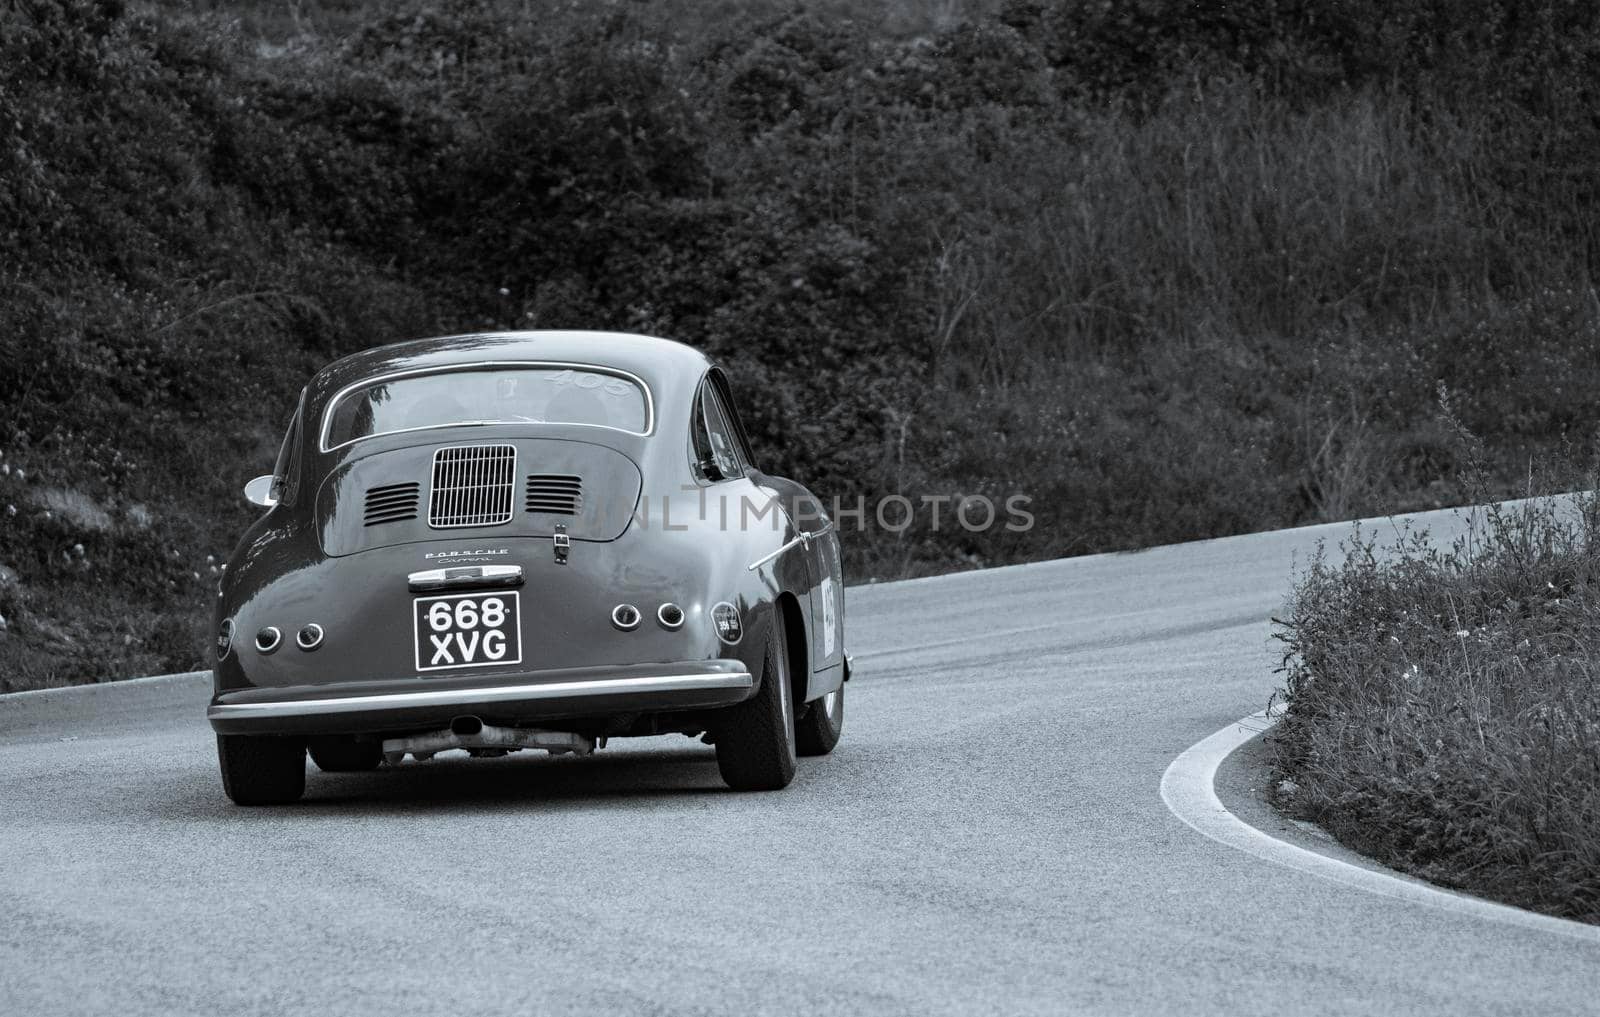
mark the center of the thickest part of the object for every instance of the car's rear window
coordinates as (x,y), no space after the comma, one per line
(535,394)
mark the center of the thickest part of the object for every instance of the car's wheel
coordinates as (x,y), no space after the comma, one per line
(755,741)
(262,769)
(344,754)
(820,724)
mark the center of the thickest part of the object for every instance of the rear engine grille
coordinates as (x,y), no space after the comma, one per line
(391,503)
(560,493)
(473,485)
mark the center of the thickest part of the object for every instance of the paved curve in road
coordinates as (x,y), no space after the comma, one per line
(989,837)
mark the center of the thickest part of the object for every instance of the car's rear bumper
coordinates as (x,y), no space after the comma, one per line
(416,703)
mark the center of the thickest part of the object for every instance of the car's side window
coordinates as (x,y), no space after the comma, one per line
(286,472)
(712,438)
(699,438)
(736,431)
(724,442)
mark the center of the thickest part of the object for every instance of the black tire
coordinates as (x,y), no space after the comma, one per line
(755,740)
(820,725)
(262,769)
(344,754)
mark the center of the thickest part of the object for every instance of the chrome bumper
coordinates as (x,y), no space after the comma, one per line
(321,708)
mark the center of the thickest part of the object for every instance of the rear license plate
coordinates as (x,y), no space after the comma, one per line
(467,630)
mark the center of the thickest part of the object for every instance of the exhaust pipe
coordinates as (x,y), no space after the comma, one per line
(472,733)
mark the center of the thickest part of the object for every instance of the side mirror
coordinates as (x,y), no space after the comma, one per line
(262,491)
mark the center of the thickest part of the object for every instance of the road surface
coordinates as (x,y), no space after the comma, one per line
(989,837)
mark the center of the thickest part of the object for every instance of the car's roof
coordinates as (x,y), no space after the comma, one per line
(657,361)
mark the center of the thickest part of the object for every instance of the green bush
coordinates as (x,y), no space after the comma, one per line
(1444,709)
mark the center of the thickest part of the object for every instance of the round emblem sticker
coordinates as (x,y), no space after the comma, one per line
(726,618)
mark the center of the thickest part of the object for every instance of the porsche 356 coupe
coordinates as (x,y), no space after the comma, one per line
(531,540)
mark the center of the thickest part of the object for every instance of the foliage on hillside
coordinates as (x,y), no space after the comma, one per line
(1170,269)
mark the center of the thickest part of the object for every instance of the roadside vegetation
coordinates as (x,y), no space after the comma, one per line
(1443,704)
(1170,270)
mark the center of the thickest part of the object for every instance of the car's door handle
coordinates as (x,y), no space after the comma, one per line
(799,538)
(466,577)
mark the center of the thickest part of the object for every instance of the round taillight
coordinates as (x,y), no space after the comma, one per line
(309,637)
(268,639)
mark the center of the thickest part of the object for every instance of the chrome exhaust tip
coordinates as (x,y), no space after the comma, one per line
(670,616)
(625,617)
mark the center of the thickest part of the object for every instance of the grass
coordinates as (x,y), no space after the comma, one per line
(1444,704)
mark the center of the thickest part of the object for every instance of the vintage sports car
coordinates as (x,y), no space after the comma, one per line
(533,540)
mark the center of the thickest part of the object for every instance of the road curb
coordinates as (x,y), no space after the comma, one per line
(1188,788)
(76,705)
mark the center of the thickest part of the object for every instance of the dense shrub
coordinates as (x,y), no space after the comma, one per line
(1170,269)
(1444,708)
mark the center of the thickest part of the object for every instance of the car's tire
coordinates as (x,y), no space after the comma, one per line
(344,754)
(820,725)
(755,740)
(262,769)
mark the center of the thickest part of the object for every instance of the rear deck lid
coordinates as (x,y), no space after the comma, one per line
(502,488)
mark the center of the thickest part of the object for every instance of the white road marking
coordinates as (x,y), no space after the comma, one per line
(1188,789)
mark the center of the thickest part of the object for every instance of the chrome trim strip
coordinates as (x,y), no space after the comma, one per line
(509,693)
(333,401)
(799,538)
(464,576)
(791,543)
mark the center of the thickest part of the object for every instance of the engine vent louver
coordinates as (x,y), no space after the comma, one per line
(473,485)
(561,493)
(391,503)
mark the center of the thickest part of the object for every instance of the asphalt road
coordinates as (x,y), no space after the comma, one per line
(988,838)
